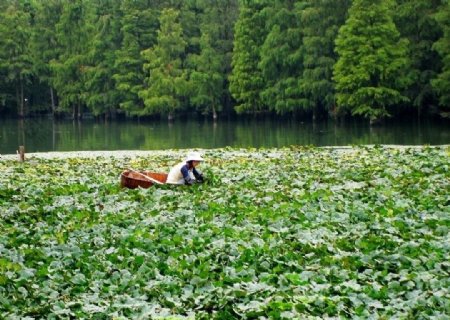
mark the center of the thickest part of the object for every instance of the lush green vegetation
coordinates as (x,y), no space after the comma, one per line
(310,58)
(289,233)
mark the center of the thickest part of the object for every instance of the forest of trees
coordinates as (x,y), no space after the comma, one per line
(162,58)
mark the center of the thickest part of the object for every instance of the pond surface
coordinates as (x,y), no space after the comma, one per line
(42,135)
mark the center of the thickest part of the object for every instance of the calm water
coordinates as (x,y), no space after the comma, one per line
(40,135)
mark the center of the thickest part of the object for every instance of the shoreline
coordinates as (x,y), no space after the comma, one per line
(89,154)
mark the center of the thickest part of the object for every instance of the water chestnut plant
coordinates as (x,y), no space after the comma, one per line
(302,233)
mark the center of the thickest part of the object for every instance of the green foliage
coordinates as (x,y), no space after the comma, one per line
(247,56)
(138,32)
(166,78)
(207,78)
(16,64)
(370,72)
(101,94)
(212,63)
(281,58)
(246,79)
(44,44)
(320,22)
(442,83)
(416,22)
(72,34)
(293,233)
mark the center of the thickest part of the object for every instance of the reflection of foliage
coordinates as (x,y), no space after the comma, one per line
(46,135)
(276,232)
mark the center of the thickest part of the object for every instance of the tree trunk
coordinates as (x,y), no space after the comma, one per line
(22,99)
(18,102)
(334,113)
(170,116)
(227,104)
(52,97)
(21,132)
(214,113)
(113,113)
(53,136)
(19,98)
(375,121)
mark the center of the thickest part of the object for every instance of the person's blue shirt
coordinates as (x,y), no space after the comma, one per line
(187,178)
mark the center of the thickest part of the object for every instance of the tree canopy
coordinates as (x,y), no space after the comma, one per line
(371,59)
(372,67)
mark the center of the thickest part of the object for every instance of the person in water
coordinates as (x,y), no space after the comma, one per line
(185,172)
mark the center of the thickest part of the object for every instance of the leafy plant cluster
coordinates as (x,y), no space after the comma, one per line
(300,233)
(145,58)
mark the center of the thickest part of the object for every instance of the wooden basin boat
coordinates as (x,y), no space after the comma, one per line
(144,179)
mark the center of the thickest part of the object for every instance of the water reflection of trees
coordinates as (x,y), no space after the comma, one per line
(145,136)
(27,132)
(48,135)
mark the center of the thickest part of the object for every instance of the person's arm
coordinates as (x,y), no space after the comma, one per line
(198,176)
(187,178)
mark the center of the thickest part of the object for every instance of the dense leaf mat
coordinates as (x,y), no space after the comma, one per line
(274,234)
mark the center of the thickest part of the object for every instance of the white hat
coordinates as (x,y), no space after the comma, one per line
(194,156)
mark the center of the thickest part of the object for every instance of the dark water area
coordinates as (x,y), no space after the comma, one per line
(42,135)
